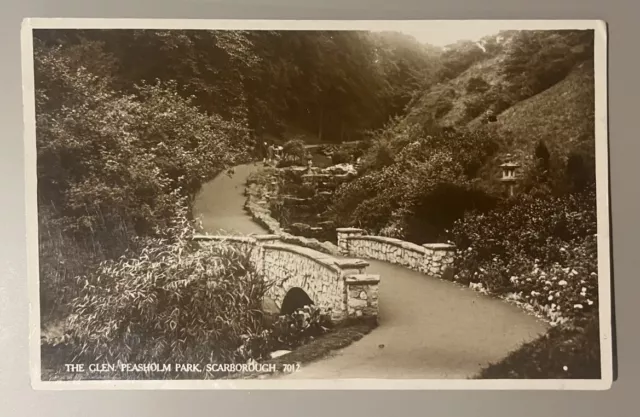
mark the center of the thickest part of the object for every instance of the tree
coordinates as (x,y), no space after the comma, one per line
(294,150)
(536,60)
(542,157)
(577,174)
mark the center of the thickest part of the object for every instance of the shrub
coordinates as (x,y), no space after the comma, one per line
(294,150)
(173,303)
(475,107)
(340,157)
(477,85)
(562,353)
(538,251)
(298,328)
(442,106)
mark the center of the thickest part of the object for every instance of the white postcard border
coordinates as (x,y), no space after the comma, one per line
(602,183)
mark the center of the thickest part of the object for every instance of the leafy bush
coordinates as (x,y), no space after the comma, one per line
(477,85)
(539,251)
(340,157)
(294,150)
(173,303)
(443,106)
(474,108)
(298,328)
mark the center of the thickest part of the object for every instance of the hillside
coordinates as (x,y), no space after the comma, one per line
(539,86)
(561,116)
(446,103)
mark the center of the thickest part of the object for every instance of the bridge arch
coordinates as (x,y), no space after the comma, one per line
(298,274)
(295,299)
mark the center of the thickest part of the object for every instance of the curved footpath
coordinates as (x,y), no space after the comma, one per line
(428,328)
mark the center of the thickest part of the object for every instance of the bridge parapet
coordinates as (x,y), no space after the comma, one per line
(327,280)
(362,295)
(435,259)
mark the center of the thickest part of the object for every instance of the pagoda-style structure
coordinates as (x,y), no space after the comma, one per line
(509,175)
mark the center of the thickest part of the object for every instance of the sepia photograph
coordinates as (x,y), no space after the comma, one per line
(317,204)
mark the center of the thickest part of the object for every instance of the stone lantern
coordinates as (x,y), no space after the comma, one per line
(509,176)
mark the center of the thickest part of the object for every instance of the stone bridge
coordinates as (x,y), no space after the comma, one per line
(300,276)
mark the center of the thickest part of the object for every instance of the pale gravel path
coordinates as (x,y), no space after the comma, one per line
(428,328)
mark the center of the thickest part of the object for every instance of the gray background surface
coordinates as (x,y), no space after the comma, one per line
(18,399)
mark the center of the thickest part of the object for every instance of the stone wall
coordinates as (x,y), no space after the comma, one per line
(330,282)
(434,259)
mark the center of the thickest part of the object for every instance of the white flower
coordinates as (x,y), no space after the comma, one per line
(574,272)
(563,250)
(550,298)
(584,289)
(565,368)
(562,283)
(578,306)
(513,279)
(590,302)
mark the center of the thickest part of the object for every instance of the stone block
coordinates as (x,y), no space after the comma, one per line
(439,246)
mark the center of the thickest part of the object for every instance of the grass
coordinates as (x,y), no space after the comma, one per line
(319,348)
(562,115)
(562,353)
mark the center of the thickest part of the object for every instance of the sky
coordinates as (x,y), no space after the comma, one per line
(442,32)
(438,37)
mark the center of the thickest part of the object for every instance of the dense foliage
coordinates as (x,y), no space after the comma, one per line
(541,250)
(415,183)
(334,84)
(114,166)
(170,304)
